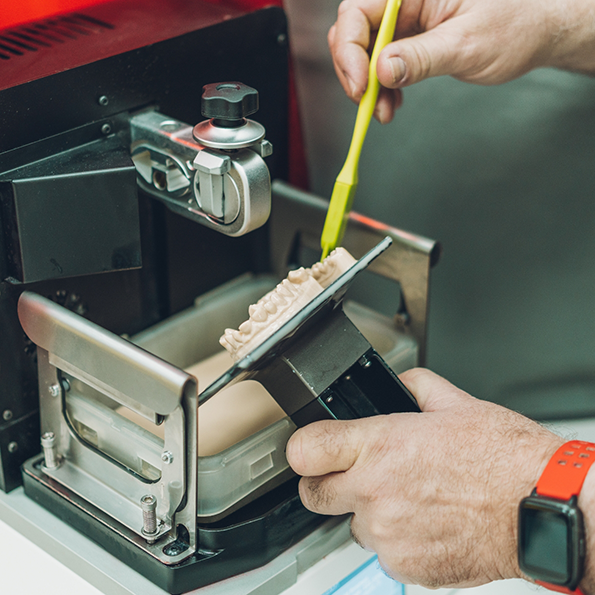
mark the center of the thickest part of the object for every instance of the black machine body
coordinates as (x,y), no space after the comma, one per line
(108,253)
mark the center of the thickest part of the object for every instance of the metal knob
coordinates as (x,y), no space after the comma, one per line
(228,103)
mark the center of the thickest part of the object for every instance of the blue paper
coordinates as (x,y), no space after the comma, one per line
(368,579)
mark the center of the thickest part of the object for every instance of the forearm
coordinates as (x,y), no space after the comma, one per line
(574,41)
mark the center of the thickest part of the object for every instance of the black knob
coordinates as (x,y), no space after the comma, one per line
(228,103)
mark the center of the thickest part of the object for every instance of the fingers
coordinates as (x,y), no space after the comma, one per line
(331,494)
(324,447)
(331,446)
(446,48)
(436,52)
(333,454)
(432,392)
(351,60)
(349,41)
(388,101)
(351,64)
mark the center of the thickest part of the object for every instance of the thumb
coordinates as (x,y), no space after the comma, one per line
(432,392)
(324,447)
(413,59)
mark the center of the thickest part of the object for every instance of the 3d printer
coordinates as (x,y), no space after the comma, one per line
(130,239)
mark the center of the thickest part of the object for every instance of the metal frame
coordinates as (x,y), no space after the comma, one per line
(138,380)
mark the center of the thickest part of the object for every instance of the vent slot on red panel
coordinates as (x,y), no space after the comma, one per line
(41,35)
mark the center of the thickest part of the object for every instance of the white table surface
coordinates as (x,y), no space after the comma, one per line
(26,569)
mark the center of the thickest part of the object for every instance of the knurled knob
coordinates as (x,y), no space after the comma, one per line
(228,103)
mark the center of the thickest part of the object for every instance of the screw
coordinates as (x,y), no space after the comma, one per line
(65,384)
(48,443)
(54,390)
(13,447)
(175,548)
(364,361)
(103,100)
(167,457)
(106,129)
(281,38)
(7,415)
(148,504)
(329,399)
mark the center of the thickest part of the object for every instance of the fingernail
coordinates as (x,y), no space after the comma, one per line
(378,115)
(352,87)
(398,69)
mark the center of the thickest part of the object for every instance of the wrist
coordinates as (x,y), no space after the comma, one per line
(573,36)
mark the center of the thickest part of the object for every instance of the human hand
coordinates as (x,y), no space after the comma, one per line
(434,494)
(477,41)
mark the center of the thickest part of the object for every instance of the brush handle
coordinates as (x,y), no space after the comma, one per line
(346,183)
(348,175)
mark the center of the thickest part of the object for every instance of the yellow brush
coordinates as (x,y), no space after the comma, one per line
(346,183)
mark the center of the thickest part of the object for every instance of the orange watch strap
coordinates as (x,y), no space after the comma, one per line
(563,478)
(559,589)
(565,473)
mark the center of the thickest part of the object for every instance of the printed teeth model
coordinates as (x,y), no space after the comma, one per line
(274,309)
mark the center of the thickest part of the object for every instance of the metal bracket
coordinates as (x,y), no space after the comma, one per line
(84,373)
(226,191)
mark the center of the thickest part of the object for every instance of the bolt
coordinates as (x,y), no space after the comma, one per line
(106,129)
(175,548)
(7,415)
(48,443)
(13,447)
(148,504)
(54,390)
(103,100)
(167,457)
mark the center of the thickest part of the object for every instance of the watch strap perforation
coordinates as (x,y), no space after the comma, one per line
(566,471)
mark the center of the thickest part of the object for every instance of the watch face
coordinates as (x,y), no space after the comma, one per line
(551,540)
(545,545)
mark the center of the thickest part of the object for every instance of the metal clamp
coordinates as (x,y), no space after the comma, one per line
(229,191)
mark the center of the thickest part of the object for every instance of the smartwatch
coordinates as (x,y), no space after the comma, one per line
(551,544)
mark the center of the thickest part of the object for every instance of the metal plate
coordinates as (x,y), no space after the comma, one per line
(329,299)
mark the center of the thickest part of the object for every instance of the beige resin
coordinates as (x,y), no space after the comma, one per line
(233,414)
(332,267)
(241,410)
(273,310)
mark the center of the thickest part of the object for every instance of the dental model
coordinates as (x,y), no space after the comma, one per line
(273,310)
